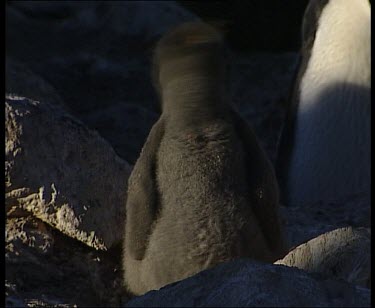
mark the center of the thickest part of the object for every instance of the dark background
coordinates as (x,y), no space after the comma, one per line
(255,25)
(251,25)
(97,57)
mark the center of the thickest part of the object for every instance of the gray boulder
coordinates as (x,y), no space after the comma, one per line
(63,173)
(344,253)
(246,283)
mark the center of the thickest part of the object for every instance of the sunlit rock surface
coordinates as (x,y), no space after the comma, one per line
(63,173)
(343,253)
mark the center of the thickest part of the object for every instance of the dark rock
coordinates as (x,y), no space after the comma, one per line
(259,85)
(104,47)
(305,222)
(246,283)
(124,126)
(21,81)
(97,55)
(73,274)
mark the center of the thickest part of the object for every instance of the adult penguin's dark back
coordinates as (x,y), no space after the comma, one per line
(324,150)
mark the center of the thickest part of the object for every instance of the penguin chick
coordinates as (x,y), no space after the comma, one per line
(202,191)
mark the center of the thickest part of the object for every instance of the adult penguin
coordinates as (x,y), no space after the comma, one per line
(325,147)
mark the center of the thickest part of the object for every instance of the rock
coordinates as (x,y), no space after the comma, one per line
(307,221)
(98,59)
(27,231)
(100,65)
(343,254)
(70,274)
(246,283)
(100,50)
(142,19)
(63,173)
(21,81)
(12,298)
(260,84)
(124,126)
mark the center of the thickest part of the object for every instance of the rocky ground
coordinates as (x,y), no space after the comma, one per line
(79,106)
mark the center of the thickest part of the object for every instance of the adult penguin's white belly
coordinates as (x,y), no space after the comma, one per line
(325,150)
